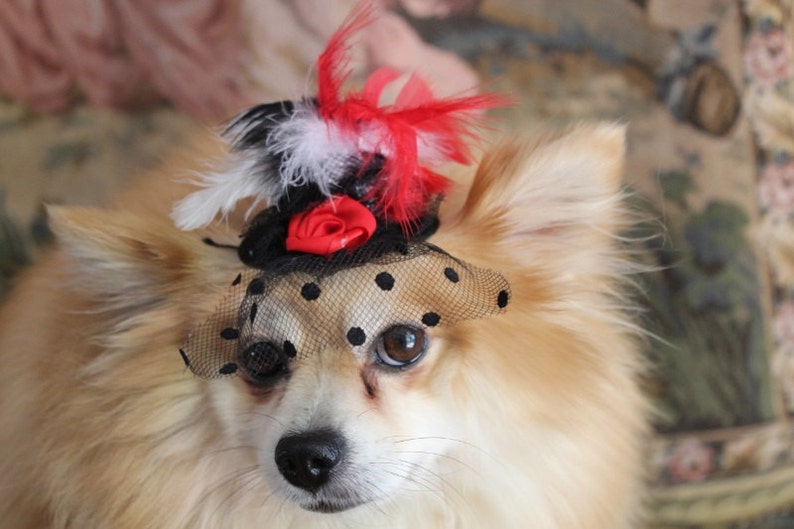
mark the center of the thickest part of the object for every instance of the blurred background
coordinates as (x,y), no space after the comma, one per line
(93,93)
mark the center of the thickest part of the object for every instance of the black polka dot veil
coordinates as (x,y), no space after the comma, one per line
(299,312)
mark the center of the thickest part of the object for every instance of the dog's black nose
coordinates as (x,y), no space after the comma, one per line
(307,459)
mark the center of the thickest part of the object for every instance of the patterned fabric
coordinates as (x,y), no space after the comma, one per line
(708,90)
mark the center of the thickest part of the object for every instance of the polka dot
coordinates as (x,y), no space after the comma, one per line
(310,291)
(385,281)
(356,336)
(431,319)
(228,369)
(185,359)
(230,334)
(451,274)
(256,287)
(289,349)
(252,314)
(502,298)
(237,280)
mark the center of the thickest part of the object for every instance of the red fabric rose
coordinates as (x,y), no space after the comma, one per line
(340,222)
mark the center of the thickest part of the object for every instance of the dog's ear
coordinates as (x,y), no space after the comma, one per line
(555,199)
(119,255)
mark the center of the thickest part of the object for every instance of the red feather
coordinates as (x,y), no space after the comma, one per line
(414,124)
(333,64)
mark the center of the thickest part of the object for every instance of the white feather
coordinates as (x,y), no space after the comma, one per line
(221,190)
(313,149)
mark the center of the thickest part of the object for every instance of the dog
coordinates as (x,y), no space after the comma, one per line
(530,418)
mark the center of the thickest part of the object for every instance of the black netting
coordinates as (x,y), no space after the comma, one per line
(298,308)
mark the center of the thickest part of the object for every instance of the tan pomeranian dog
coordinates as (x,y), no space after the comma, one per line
(530,418)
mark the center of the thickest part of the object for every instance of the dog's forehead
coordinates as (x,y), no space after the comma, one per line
(306,313)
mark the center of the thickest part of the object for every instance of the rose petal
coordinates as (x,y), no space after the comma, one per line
(316,245)
(341,222)
(356,237)
(321,225)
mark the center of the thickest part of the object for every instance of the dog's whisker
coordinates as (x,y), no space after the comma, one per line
(379,492)
(428,476)
(442,456)
(407,471)
(406,476)
(230,487)
(431,475)
(427,481)
(368,410)
(468,444)
(227,449)
(268,416)
(457,499)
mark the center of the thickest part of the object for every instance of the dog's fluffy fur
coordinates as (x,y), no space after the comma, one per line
(532,418)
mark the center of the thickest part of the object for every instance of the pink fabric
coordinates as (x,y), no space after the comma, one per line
(435,8)
(285,37)
(211,58)
(122,53)
(31,65)
(392,42)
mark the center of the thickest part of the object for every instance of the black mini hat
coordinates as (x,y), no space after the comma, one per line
(351,194)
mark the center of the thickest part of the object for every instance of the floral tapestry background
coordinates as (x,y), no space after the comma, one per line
(92,97)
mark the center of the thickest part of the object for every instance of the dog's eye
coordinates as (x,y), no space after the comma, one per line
(400,346)
(262,362)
